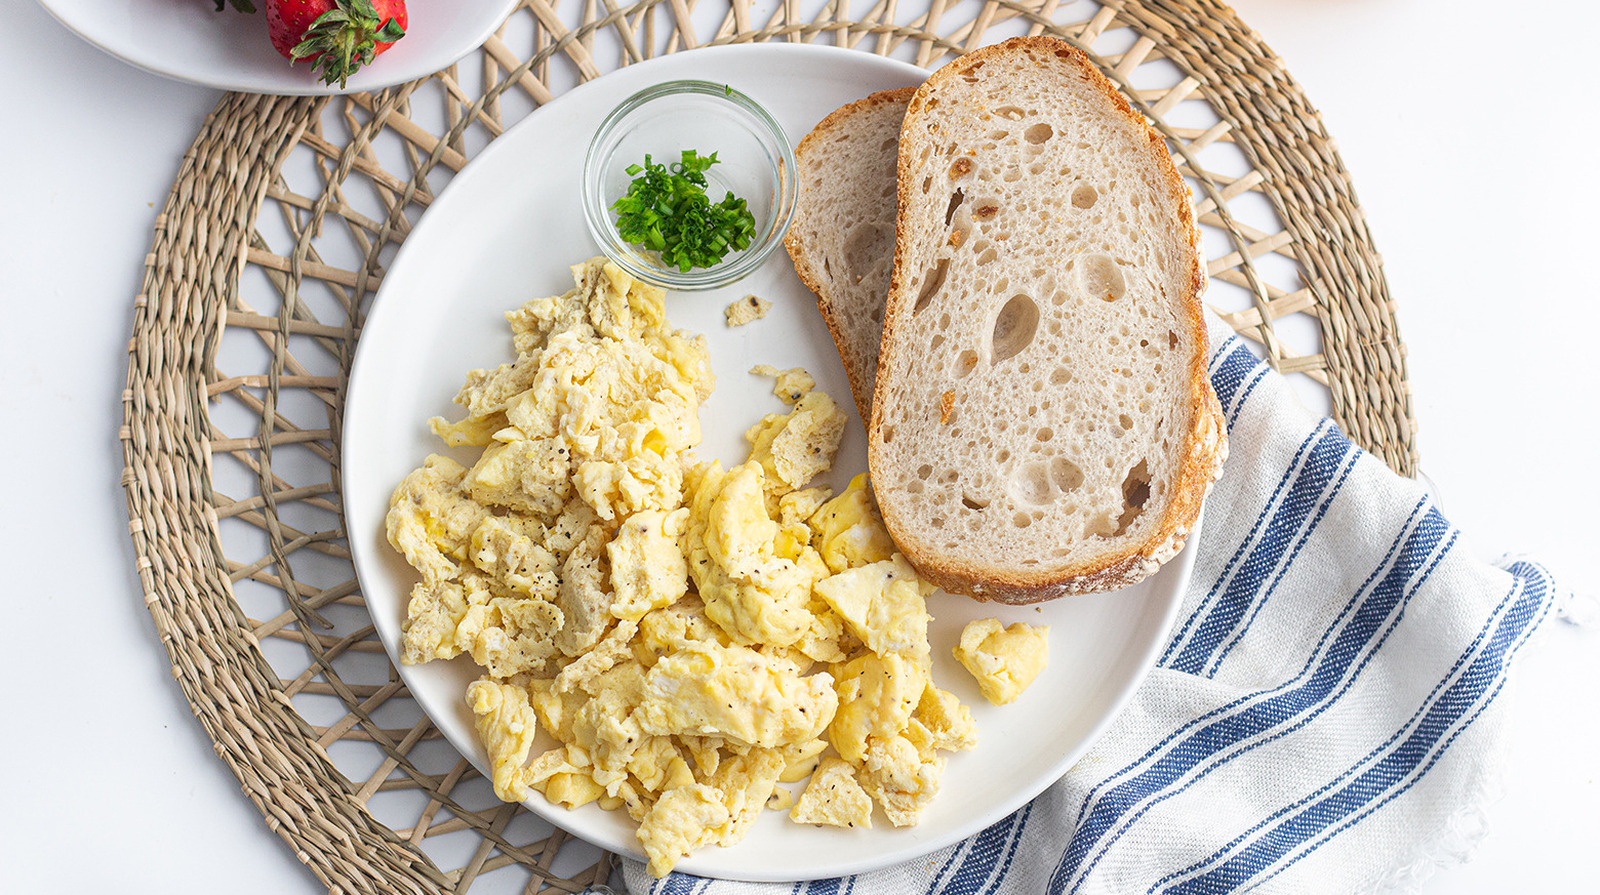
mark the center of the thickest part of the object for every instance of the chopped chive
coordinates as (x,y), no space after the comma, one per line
(667,210)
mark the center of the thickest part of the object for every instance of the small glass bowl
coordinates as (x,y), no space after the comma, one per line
(754,161)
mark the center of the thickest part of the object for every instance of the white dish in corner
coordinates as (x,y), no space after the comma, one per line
(506,230)
(189,40)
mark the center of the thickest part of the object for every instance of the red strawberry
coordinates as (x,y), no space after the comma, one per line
(336,36)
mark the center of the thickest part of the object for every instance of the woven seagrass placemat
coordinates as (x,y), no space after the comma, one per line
(278,231)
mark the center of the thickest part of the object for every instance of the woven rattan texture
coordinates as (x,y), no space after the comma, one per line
(277,234)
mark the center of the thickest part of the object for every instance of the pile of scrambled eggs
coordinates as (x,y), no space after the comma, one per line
(690,636)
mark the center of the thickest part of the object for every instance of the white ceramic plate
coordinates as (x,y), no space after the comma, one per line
(506,230)
(188,40)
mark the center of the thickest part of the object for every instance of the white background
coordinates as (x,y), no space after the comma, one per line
(1469,130)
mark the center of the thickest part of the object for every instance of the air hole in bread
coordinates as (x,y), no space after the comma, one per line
(888,434)
(937,522)
(1010,113)
(965,362)
(1084,195)
(924,471)
(1100,277)
(1014,328)
(973,503)
(987,256)
(938,340)
(927,184)
(1060,376)
(1036,169)
(1012,175)
(960,168)
(1030,484)
(1038,133)
(1065,474)
(1172,340)
(866,245)
(1022,520)
(931,282)
(955,202)
(1126,421)
(913,487)
(1002,456)
(1045,433)
(1135,492)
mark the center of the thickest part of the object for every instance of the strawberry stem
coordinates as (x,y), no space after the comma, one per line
(345,38)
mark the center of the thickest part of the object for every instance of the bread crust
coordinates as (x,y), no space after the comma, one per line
(806,267)
(1206,446)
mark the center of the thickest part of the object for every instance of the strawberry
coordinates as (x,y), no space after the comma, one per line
(336,36)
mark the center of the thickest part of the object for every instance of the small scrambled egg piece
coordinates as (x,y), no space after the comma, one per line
(834,797)
(736,558)
(789,385)
(735,693)
(746,310)
(1005,660)
(849,531)
(797,446)
(882,602)
(681,821)
(659,635)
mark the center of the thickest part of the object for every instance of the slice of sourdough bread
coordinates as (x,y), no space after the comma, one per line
(1042,422)
(842,236)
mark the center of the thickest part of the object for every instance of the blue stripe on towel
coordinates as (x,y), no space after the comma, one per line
(1231,365)
(1178,642)
(1340,656)
(1388,559)
(1346,464)
(1318,470)
(1370,785)
(984,855)
(1011,853)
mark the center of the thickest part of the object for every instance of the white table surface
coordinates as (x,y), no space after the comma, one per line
(1470,132)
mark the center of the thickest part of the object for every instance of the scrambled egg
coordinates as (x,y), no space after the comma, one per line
(1005,660)
(746,310)
(690,638)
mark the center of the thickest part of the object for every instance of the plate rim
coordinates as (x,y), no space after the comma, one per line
(703,862)
(371,78)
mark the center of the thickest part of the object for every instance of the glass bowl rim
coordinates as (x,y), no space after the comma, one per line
(597,212)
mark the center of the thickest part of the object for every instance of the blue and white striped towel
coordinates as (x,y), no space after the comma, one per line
(1324,713)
